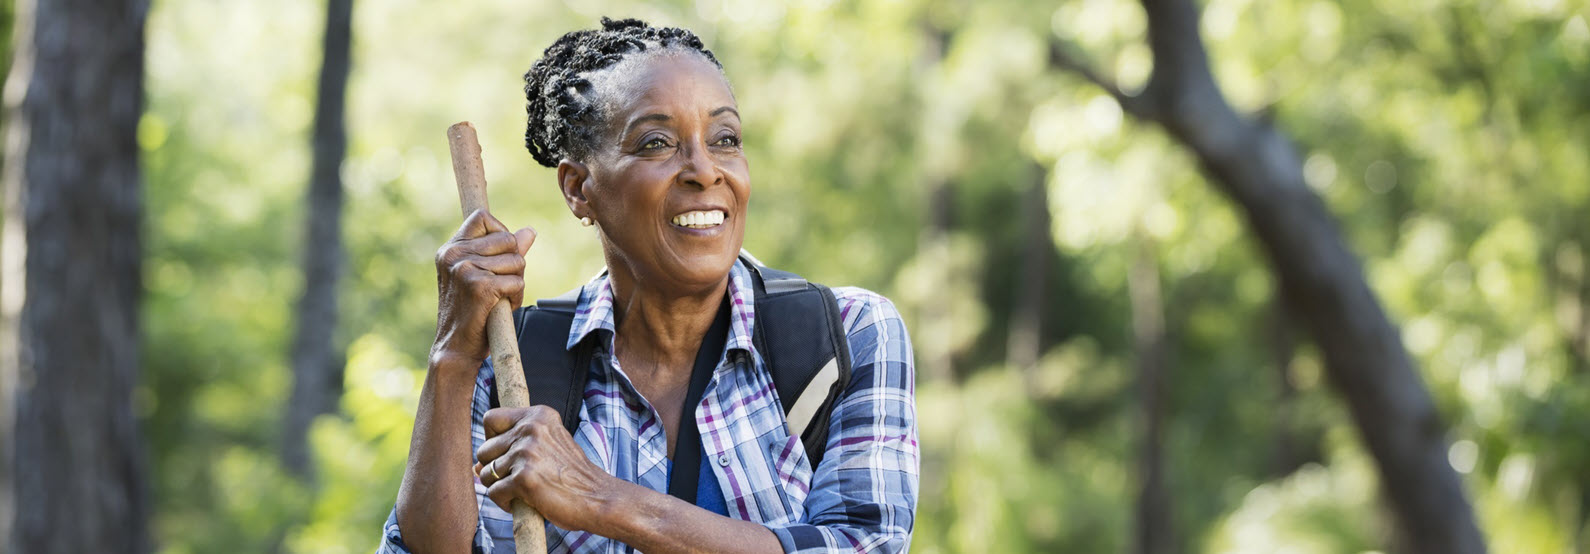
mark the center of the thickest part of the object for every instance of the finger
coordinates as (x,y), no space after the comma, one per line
(500,264)
(524,238)
(509,288)
(499,420)
(513,485)
(487,284)
(478,223)
(458,251)
(497,469)
(505,491)
(494,448)
(483,286)
(492,244)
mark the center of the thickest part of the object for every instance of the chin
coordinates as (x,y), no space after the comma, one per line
(706,269)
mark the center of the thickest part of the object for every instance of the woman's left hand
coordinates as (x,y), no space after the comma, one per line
(540,465)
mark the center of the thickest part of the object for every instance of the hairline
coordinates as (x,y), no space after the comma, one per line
(604,98)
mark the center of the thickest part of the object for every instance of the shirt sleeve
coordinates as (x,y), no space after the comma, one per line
(491,526)
(863,495)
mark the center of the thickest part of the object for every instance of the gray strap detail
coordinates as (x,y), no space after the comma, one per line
(806,406)
(783,285)
(749,259)
(773,280)
(566,301)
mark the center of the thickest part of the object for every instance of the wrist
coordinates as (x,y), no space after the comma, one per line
(452,366)
(621,510)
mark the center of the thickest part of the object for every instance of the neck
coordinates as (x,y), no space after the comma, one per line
(662,327)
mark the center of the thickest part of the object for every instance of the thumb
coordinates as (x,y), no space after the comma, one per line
(523,239)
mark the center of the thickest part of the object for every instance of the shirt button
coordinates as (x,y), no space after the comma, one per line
(723,460)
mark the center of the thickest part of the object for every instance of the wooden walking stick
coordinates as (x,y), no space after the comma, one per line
(529,532)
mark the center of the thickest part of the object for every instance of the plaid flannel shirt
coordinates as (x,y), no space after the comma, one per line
(863,496)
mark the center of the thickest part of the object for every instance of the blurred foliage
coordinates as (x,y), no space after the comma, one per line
(1449,139)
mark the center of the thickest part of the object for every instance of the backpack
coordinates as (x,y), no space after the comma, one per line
(798,332)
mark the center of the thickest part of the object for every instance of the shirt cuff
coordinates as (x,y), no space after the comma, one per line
(801,538)
(392,538)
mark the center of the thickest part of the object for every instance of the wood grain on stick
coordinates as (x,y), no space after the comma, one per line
(529,531)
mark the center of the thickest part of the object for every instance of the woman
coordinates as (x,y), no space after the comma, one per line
(643,130)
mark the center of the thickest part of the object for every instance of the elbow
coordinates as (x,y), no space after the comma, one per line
(427,532)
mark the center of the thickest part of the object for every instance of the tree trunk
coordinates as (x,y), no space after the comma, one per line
(69,265)
(1154,531)
(1025,343)
(317,359)
(1320,280)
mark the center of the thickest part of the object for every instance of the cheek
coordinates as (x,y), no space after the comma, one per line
(741,182)
(630,195)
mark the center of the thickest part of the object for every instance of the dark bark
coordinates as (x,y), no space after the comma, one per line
(71,278)
(1024,345)
(1154,533)
(1319,278)
(318,358)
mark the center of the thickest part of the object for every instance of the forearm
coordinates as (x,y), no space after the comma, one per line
(436,504)
(657,523)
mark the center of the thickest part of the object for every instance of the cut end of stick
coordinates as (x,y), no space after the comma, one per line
(467,166)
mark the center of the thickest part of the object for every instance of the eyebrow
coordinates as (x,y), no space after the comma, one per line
(659,117)
(664,118)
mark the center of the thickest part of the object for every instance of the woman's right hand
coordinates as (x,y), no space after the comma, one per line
(480,265)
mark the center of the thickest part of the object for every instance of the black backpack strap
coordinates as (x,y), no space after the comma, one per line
(554,375)
(798,331)
(801,336)
(566,302)
(684,477)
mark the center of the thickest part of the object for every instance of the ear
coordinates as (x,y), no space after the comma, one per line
(572,178)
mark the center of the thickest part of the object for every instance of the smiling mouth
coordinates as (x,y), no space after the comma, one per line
(700,219)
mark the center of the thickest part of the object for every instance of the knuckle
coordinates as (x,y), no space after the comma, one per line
(524,426)
(519,451)
(481,288)
(458,268)
(513,286)
(541,416)
(500,242)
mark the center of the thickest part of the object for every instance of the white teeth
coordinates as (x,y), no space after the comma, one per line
(699,220)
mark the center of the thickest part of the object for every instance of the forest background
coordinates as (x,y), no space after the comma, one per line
(1125,340)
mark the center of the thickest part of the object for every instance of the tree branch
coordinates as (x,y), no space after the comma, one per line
(1318,277)
(1060,58)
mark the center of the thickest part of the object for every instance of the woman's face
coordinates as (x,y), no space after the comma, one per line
(669,183)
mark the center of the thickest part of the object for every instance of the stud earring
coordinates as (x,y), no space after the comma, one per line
(586,221)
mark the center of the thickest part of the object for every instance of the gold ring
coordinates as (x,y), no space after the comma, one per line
(494,470)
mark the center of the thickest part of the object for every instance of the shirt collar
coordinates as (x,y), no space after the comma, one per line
(594,312)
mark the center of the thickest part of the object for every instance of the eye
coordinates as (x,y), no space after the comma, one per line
(654,143)
(729,141)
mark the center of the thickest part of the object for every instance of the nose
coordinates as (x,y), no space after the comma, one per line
(699,168)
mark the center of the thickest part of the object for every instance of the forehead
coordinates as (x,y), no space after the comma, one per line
(668,80)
